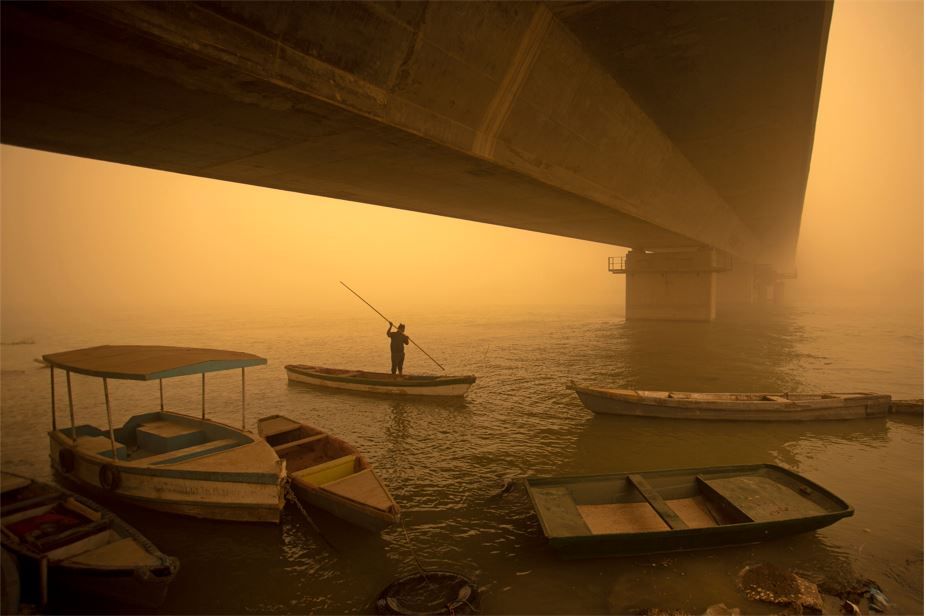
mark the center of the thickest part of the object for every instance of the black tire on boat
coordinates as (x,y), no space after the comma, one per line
(110,477)
(429,594)
(9,584)
(66,460)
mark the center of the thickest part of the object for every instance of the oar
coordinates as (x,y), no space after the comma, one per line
(390,323)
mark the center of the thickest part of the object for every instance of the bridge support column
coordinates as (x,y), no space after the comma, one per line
(672,286)
(738,286)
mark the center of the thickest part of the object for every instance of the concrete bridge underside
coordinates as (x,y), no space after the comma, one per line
(658,126)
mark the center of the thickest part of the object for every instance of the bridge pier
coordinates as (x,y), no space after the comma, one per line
(672,286)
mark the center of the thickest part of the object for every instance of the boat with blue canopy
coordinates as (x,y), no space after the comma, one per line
(164,460)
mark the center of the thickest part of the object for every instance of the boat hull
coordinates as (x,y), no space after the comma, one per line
(576,533)
(242,484)
(142,584)
(378,383)
(350,511)
(627,402)
(330,473)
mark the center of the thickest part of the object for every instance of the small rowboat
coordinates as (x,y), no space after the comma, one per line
(380,382)
(734,407)
(679,509)
(329,473)
(83,548)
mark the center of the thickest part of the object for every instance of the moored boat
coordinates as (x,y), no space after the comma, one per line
(329,473)
(734,407)
(68,545)
(164,460)
(678,509)
(380,382)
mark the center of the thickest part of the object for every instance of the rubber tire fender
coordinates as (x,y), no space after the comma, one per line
(109,477)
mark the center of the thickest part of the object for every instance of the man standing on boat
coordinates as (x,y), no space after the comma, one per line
(397,346)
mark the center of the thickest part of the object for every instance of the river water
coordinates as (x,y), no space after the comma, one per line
(445,462)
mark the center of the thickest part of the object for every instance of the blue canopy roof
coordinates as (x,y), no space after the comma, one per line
(146,363)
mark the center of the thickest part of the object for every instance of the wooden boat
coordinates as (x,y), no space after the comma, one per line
(380,382)
(163,460)
(681,509)
(330,474)
(734,407)
(67,545)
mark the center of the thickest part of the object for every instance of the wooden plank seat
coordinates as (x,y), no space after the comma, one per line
(125,552)
(656,502)
(762,499)
(559,512)
(329,471)
(280,448)
(363,487)
(181,455)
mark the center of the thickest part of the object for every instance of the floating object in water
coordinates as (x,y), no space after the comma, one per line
(429,592)
(733,407)
(84,548)
(879,601)
(329,473)
(907,407)
(169,461)
(380,382)
(678,509)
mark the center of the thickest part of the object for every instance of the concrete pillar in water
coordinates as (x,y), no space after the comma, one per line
(672,286)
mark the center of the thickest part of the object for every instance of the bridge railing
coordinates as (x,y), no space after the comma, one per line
(617,265)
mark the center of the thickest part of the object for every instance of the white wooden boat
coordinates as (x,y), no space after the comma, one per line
(329,473)
(734,407)
(380,382)
(164,460)
(67,545)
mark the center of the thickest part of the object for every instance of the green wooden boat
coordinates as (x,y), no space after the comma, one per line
(678,509)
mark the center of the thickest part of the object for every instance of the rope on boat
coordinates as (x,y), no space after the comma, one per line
(290,495)
(412,548)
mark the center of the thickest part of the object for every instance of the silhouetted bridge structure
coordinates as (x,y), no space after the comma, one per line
(683,130)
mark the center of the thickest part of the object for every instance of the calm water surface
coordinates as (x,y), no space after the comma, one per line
(445,462)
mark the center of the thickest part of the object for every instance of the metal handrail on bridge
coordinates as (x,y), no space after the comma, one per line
(617,265)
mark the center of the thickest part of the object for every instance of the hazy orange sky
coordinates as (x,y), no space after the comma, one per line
(78,233)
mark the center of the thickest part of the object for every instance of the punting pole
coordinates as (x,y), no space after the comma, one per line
(204,395)
(53,421)
(161,388)
(390,322)
(109,418)
(71,407)
(242,398)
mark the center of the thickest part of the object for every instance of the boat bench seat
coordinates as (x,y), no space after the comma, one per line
(775,399)
(302,441)
(329,471)
(182,455)
(656,502)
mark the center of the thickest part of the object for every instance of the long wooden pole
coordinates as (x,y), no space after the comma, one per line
(390,322)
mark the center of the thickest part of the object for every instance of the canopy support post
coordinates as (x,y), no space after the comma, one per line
(161,388)
(242,399)
(71,407)
(54,425)
(204,395)
(109,418)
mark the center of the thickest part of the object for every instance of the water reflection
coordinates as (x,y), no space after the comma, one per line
(697,356)
(446,461)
